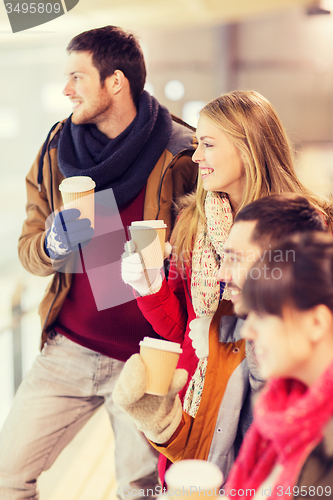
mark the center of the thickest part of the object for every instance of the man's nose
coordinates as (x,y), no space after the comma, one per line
(68,89)
(224,273)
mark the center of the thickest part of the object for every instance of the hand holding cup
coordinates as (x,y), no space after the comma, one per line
(157,416)
(133,272)
(78,192)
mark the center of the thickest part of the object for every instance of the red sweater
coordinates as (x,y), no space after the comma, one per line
(87,316)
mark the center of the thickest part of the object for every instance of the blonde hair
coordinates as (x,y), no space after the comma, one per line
(253,125)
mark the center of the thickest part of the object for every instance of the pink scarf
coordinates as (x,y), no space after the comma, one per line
(289,419)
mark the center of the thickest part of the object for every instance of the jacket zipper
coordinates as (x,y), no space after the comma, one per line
(52,207)
(51,306)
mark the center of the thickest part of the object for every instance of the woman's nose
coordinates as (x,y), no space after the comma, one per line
(197,155)
(247,331)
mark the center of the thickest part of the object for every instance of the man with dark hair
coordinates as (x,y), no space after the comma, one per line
(111,49)
(139,158)
(224,413)
(258,226)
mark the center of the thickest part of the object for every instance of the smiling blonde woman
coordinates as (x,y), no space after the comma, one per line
(243,154)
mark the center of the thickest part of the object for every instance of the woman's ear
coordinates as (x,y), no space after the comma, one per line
(321,319)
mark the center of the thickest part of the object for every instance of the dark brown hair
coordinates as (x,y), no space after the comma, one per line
(302,279)
(112,49)
(280,215)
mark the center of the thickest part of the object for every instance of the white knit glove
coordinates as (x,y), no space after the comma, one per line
(134,273)
(199,334)
(157,416)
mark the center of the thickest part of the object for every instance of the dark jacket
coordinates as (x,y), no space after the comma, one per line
(316,477)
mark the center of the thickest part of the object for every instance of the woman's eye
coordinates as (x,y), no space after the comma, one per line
(230,259)
(207,145)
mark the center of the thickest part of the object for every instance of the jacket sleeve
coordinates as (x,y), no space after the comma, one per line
(166,310)
(175,447)
(256,381)
(31,242)
(316,478)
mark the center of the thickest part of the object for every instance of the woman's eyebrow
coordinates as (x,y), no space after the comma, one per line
(203,137)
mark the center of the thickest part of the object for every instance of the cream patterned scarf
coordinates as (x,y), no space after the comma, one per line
(205,289)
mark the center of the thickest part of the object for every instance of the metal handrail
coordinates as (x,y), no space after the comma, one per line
(16,328)
(17,319)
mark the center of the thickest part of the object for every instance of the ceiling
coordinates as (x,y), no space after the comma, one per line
(144,14)
(173,13)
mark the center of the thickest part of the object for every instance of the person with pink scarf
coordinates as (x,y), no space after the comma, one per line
(288,451)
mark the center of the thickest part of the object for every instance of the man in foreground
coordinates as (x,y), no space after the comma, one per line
(139,159)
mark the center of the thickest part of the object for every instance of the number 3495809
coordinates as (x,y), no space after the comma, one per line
(33,8)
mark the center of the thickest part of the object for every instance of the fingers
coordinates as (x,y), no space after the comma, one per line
(178,381)
(195,343)
(132,268)
(167,249)
(192,333)
(76,231)
(67,215)
(75,225)
(197,325)
(130,247)
(196,328)
(81,236)
(132,382)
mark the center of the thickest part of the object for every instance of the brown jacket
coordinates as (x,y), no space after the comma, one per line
(202,437)
(170,178)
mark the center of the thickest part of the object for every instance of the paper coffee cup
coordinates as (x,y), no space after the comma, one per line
(196,479)
(78,192)
(161,358)
(149,238)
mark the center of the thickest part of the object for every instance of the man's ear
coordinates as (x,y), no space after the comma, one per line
(321,322)
(115,82)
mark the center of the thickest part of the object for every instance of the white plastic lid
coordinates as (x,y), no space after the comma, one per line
(156,224)
(195,473)
(77,184)
(162,345)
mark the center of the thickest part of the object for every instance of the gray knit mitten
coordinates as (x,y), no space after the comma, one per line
(157,416)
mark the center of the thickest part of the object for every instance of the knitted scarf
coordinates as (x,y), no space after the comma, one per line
(289,419)
(123,163)
(205,289)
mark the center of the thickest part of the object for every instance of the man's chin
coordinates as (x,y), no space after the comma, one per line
(239,310)
(76,120)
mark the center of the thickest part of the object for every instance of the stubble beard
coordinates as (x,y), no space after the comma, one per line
(239,309)
(99,110)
